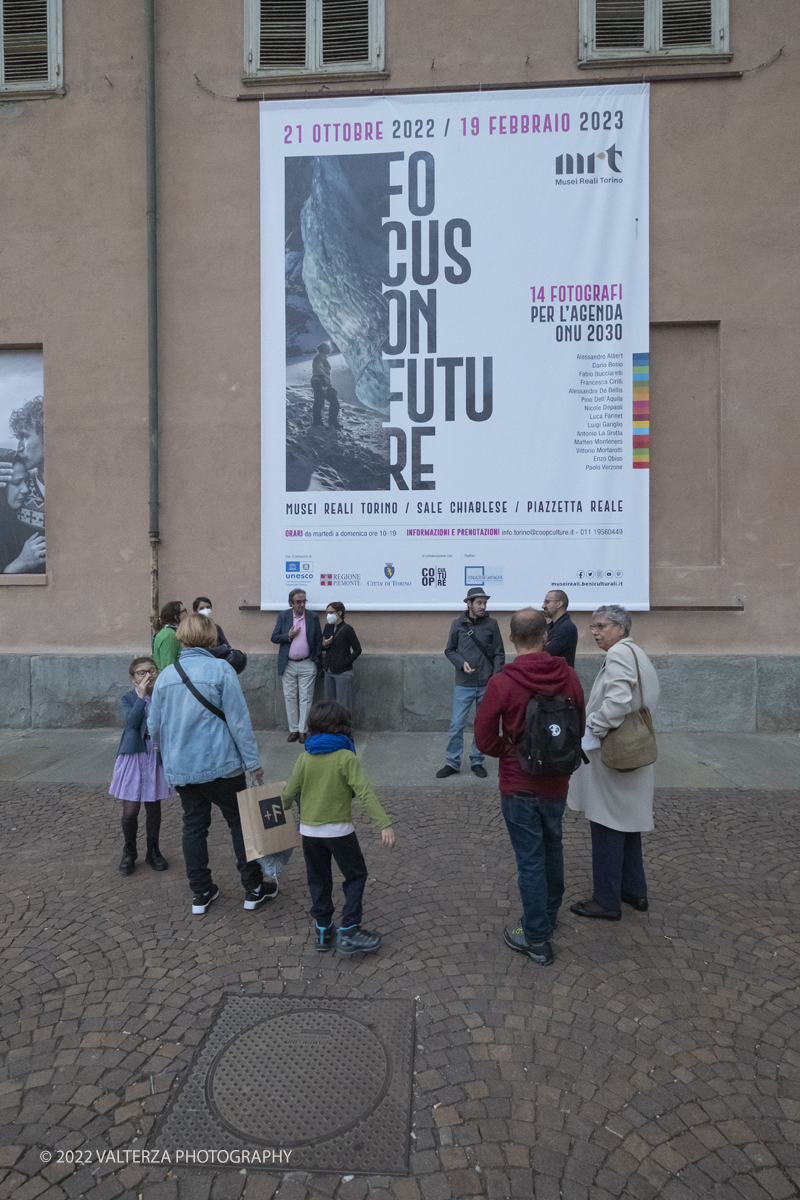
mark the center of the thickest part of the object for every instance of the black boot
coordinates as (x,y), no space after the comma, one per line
(154,856)
(129,856)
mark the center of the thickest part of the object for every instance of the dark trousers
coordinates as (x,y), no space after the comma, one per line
(617,865)
(534,827)
(350,861)
(322,392)
(197,799)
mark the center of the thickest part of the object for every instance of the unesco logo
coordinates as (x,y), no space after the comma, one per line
(299,568)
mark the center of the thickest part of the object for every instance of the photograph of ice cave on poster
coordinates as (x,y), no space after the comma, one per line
(337,382)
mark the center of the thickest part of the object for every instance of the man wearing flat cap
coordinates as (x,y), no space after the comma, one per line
(475,648)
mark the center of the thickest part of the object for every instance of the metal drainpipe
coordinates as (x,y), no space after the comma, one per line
(152,299)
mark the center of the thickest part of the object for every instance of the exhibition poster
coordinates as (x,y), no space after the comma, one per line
(455,354)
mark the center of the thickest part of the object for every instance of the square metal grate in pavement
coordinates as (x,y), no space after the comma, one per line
(298,1084)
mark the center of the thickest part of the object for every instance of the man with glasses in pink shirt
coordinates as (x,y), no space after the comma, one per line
(299,637)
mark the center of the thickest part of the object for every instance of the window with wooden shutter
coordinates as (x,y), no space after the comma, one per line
(640,31)
(312,37)
(30,38)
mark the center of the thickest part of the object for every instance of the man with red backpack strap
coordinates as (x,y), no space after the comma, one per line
(532,718)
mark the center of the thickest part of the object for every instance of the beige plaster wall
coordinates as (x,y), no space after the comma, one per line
(724,244)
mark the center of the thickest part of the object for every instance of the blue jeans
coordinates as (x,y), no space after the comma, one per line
(534,827)
(463,698)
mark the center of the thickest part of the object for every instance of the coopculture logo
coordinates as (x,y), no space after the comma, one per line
(592,164)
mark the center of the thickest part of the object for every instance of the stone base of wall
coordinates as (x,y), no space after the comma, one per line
(412,693)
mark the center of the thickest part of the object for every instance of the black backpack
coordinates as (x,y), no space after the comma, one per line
(551,741)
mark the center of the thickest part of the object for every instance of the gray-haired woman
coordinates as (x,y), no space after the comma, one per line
(618,804)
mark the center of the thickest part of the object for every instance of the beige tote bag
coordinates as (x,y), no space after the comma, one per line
(267,827)
(633,743)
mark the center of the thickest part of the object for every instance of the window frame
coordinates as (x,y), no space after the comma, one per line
(314,68)
(591,56)
(39,89)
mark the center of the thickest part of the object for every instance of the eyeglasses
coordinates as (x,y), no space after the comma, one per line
(595,628)
(148,671)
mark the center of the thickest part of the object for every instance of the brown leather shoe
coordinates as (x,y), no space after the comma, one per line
(590,908)
(293,737)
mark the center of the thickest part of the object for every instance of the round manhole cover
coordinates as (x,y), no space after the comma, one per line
(297,1078)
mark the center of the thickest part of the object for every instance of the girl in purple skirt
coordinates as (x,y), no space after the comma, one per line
(138,772)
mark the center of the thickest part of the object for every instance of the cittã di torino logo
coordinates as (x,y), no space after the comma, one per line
(593,164)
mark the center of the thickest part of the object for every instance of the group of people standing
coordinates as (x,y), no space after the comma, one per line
(617,802)
(304,647)
(475,648)
(188,731)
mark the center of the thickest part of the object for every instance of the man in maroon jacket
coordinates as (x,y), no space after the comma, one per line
(532,805)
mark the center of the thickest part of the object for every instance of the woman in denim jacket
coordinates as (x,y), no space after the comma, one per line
(199,720)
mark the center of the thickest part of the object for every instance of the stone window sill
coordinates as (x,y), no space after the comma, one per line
(317,77)
(23,580)
(654,60)
(7,94)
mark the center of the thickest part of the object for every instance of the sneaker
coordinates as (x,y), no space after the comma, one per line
(446,772)
(202,901)
(354,938)
(326,935)
(480,770)
(515,939)
(266,890)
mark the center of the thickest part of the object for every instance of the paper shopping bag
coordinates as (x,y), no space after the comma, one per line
(266,826)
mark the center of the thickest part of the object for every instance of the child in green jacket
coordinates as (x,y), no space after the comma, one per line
(324,780)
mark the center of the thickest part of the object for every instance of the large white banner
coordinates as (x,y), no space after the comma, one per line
(455,348)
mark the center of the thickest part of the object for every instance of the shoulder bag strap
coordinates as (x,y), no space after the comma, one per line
(475,642)
(638,675)
(212,708)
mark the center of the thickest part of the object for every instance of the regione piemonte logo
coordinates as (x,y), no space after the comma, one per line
(576,164)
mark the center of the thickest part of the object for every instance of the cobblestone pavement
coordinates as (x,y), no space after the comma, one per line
(658,1057)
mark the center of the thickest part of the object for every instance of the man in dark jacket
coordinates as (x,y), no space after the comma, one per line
(562,635)
(532,805)
(475,648)
(299,636)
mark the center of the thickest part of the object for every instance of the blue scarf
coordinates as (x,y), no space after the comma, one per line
(327,743)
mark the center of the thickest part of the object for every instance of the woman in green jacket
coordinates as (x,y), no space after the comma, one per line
(166,647)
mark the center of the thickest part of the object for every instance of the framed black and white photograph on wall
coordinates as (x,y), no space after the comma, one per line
(23,549)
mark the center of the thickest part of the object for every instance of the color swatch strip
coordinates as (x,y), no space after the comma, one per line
(641,411)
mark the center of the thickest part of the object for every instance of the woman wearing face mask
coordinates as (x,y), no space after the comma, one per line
(341,648)
(202,605)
